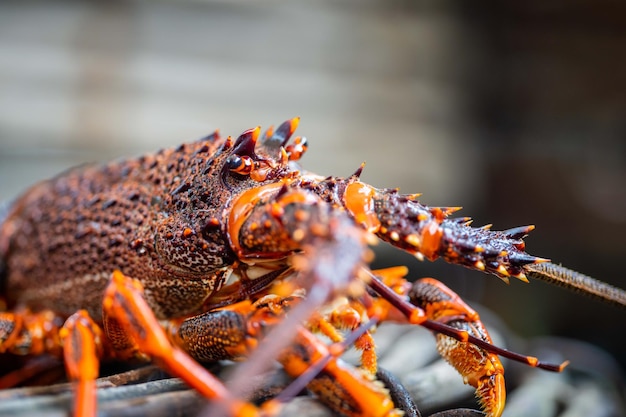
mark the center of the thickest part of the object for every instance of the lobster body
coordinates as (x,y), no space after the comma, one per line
(164,218)
(213,225)
(62,240)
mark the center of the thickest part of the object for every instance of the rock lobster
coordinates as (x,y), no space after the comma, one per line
(194,254)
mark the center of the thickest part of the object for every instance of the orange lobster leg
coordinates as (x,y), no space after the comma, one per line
(479,368)
(343,388)
(124,303)
(23,332)
(457,330)
(80,339)
(347,315)
(234,331)
(82,348)
(461,337)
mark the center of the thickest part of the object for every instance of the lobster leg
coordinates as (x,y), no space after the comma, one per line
(347,315)
(23,332)
(82,348)
(416,315)
(79,339)
(124,302)
(461,337)
(228,333)
(479,368)
(340,386)
(233,331)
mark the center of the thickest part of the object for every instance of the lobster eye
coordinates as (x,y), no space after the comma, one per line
(233,162)
(239,164)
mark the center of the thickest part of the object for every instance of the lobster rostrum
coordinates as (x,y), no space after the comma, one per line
(194,254)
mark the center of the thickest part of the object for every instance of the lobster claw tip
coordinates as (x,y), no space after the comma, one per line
(491,395)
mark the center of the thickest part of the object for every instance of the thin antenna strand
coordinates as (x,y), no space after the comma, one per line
(577,282)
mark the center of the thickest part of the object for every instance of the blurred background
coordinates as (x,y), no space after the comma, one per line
(515,111)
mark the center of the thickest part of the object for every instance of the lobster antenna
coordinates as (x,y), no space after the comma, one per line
(409,310)
(577,282)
